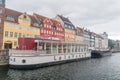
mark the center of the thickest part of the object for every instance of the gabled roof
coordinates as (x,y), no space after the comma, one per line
(79,31)
(79,28)
(15,14)
(33,20)
(66,20)
(39,17)
(55,22)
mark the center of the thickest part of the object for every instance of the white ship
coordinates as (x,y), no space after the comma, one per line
(50,53)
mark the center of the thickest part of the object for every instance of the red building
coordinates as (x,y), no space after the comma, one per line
(2,17)
(57,30)
(50,28)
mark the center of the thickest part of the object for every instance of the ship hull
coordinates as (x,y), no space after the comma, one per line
(99,54)
(33,62)
(36,66)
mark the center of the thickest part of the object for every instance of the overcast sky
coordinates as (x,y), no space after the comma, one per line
(96,15)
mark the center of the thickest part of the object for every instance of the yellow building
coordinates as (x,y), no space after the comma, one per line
(17,25)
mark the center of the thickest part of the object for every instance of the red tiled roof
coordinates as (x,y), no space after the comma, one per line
(41,18)
(16,14)
(33,20)
(13,13)
(55,22)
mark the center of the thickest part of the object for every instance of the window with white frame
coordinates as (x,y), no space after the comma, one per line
(10,18)
(0,11)
(0,20)
(6,33)
(15,43)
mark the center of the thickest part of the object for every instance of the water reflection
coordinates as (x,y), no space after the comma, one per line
(3,72)
(107,68)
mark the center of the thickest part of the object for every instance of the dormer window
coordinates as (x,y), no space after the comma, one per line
(36,24)
(66,25)
(41,25)
(25,16)
(10,18)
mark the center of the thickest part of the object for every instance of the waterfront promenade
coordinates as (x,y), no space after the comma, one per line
(106,68)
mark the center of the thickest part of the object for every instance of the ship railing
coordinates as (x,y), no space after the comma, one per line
(21,52)
(39,52)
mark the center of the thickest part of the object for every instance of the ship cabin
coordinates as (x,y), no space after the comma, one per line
(51,46)
(58,47)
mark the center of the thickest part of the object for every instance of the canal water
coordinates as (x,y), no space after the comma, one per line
(106,68)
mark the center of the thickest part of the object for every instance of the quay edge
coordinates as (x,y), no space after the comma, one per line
(4,57)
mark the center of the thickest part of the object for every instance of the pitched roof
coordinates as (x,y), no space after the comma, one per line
(15,14)
(67,22)
(39,17)
(33,20)
(55,22)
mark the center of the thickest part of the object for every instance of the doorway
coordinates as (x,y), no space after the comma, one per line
(8,45)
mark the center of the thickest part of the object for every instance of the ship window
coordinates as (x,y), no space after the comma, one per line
(73,56)
(69,57)
(54,58)
(59,58)
(14,59)
(23,61)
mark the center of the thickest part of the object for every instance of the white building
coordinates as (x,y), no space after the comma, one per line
(79,35)
(104,40)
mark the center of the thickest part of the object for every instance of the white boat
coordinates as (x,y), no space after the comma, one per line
(50,53)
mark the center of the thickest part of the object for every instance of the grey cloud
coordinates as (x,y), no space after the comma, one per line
(93,14)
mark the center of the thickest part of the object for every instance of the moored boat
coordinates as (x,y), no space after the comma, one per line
(48,53)
(98,53)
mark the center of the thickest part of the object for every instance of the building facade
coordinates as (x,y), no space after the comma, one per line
(86,37)
(2,16)
(16,25)
(104,40)
(92,40)
(79,35)
(50,28)
(98,41)
(69,28)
